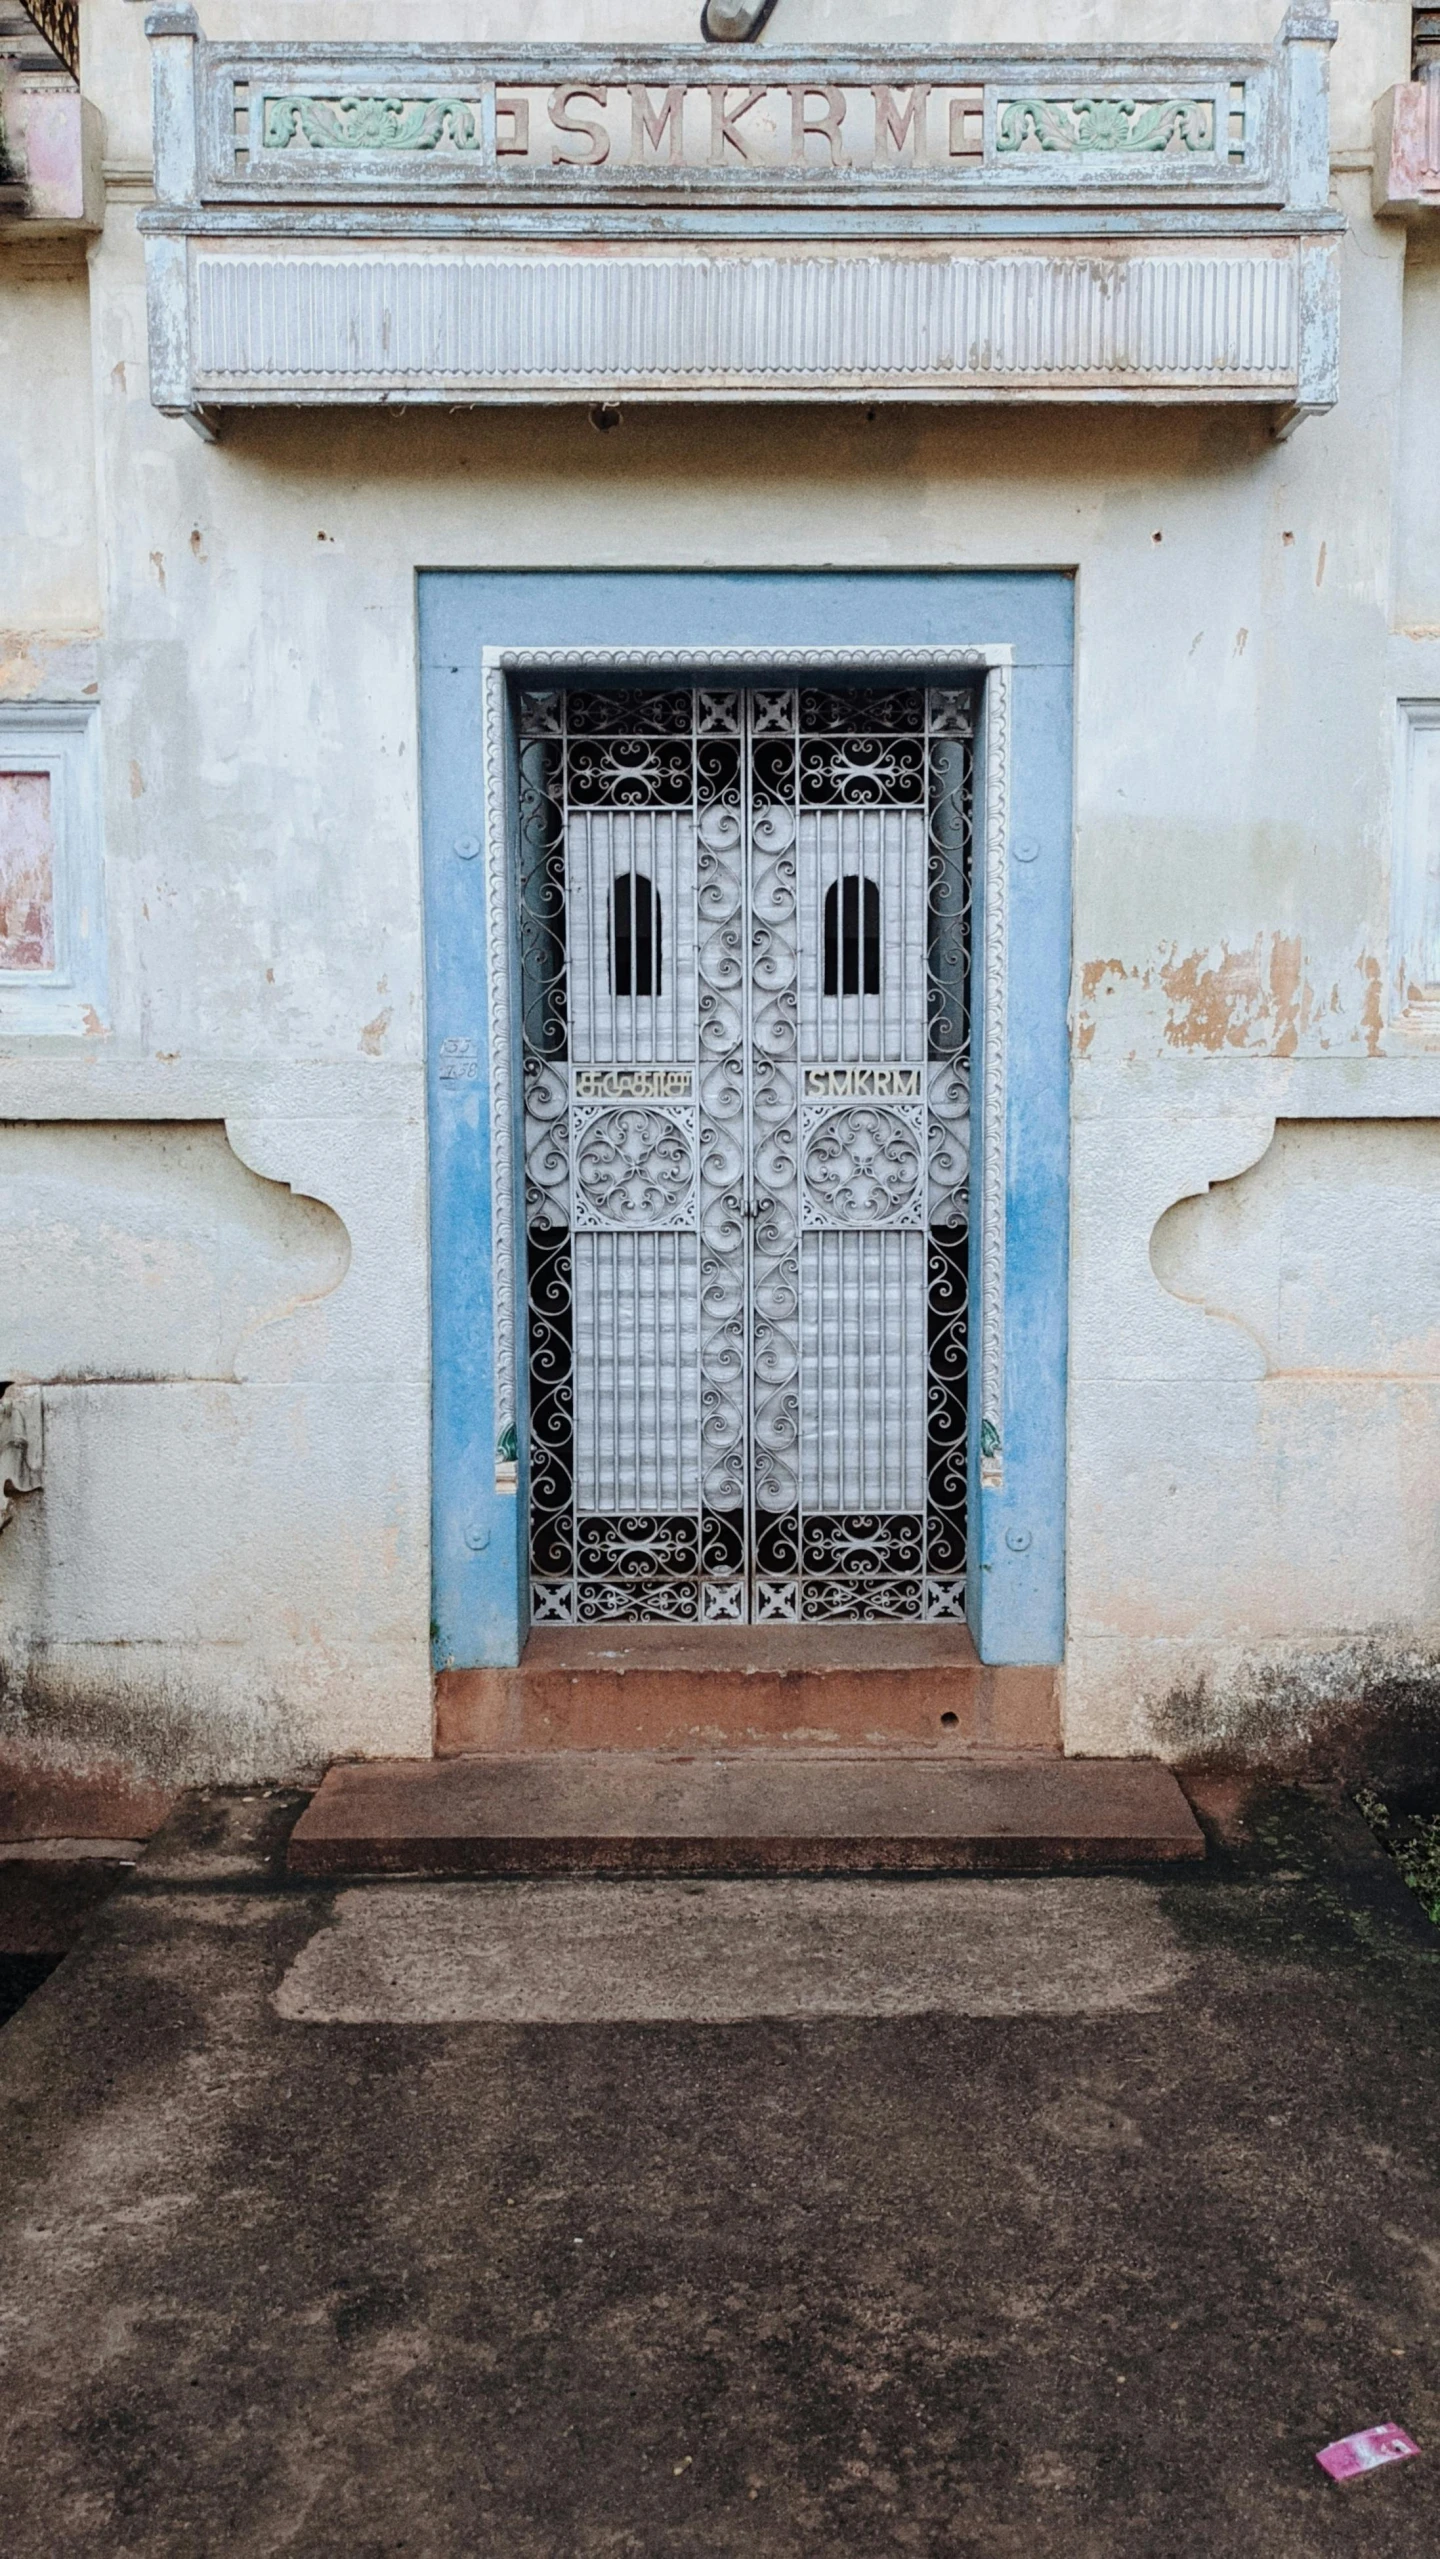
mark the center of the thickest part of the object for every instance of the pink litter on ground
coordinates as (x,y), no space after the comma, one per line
(1369,2451)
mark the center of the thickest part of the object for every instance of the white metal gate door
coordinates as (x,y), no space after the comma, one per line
(744,960)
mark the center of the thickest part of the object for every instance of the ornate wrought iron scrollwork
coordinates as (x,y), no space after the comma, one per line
(720,1038)
(862,772)
(633,1167)
(763,1145)
(630,773)
(863,1166)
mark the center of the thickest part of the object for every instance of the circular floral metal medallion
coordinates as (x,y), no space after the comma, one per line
(634,1167)
(862,1166)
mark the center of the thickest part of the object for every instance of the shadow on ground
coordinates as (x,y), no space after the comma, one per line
(1084,2277)
(46,1903)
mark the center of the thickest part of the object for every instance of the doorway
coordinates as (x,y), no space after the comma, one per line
(671,821)
(744,935)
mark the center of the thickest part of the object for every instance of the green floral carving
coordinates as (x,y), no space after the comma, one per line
(507,1449)
(1106,124)
(370,124)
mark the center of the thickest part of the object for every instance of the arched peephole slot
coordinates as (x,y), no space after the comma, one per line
(852,936)
(636,936)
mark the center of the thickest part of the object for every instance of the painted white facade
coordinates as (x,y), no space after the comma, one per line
(226,1569)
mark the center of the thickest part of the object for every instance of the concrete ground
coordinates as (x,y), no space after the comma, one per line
(1038,2219)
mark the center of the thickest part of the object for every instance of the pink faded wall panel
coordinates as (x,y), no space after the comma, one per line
(27,872)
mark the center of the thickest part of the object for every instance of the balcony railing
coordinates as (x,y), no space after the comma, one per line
(59,23)
(49,137)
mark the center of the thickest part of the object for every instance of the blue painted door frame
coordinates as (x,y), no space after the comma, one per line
(1017,1517)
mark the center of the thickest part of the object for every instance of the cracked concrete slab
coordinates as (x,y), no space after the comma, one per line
(717,1953)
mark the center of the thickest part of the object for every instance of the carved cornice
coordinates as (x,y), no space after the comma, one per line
(436,222)
(235,325)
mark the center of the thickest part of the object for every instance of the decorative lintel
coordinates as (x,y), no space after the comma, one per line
(693,129)
(435,223)
(246,322)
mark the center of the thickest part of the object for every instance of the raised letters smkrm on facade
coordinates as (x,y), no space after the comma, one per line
(682,125)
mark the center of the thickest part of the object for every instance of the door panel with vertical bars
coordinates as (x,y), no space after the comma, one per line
(744,959)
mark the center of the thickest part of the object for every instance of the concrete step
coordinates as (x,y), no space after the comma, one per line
(759,1813)
(737,1687)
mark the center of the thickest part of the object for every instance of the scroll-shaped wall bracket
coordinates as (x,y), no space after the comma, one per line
(22,1446)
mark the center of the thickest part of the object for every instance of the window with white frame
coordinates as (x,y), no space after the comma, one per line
(52,977)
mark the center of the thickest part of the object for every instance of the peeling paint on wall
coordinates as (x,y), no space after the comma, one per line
(1257,998)
(27,872)
(34,667)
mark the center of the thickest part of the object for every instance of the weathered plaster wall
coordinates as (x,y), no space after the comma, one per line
(1255,1540)
(1326,1251)
(1417,511)
(229,1570)
(139,1252)
(49,580)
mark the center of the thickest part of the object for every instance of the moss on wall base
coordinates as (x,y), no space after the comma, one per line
(1353,1714)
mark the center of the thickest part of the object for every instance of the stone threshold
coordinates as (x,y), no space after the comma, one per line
(748,1813)
(722,1688)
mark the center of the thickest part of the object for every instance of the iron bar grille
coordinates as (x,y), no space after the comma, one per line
(745,940)
(59,23)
